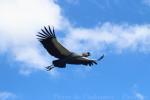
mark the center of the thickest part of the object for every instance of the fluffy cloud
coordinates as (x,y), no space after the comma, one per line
(7,96)
(111,37)
(20,20)
(146,2)
(139,96)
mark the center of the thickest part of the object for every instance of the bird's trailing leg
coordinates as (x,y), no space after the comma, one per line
(100,58)
(50,67)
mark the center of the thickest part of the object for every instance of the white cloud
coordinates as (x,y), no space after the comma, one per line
(20,20)
(7,96)
(118,37)
(146,2)
(134,94)
(139,96)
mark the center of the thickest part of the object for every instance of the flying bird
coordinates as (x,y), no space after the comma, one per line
(64,56)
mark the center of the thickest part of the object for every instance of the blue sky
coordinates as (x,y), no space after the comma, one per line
(118,28)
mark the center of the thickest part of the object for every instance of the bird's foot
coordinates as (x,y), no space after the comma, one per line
(49,67)
(100,58)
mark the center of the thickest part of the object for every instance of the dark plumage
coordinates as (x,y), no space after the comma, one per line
(64,56)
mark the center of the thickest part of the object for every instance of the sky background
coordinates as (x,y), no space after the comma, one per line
(120,29)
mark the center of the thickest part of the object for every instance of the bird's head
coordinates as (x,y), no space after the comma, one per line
(86,54)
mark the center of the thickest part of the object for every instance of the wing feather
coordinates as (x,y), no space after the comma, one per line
(85,61)
(50,43)
(78,59)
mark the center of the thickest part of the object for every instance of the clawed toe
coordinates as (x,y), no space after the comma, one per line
(49,68)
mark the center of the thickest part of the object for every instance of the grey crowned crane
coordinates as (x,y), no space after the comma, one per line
(49,41)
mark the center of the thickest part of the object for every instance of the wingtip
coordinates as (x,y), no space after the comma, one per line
(52,31)
(46,32)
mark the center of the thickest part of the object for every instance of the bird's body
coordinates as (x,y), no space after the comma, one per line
(64,56)
(73,58)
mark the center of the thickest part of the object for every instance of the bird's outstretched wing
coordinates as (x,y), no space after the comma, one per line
(48,39)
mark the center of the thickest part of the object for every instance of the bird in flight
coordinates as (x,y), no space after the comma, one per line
(49,41)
